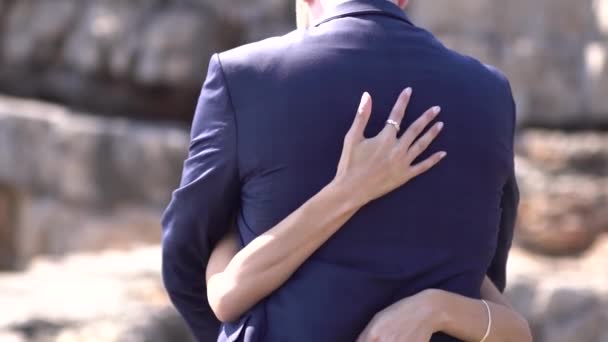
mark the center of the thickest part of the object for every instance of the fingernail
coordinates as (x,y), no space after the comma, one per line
(408,91)
(364,100)
(436,109)
(442,155)
(439,126)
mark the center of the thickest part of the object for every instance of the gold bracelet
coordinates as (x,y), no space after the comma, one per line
(489,321)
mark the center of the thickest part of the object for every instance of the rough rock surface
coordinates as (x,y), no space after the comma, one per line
(8,228)
(584,153)
(142,58)
(70,181)
(87,160)
(553,51)
(564,299)
(563,179)
(105,297)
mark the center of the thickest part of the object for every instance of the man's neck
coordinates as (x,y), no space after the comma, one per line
(337,2)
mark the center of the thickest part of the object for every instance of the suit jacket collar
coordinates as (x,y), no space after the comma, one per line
(362,7)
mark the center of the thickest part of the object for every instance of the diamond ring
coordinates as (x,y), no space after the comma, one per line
(394,124)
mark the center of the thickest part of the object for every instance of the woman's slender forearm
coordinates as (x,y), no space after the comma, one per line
(467,319)
(269,260)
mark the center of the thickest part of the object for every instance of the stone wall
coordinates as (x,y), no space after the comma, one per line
(8,226)
(563,178)
(554,52)
(138,58)
(147,58)
(83,182)
(563,299)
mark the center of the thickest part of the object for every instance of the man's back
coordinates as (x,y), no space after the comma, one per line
(294,97)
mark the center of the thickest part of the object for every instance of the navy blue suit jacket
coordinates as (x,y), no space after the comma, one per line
(267,135)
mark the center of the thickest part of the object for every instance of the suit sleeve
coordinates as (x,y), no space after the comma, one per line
(497,271)
(509,203)
(201,209)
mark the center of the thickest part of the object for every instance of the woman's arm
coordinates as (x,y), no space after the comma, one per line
(416,318)
(373,166)
(467,319)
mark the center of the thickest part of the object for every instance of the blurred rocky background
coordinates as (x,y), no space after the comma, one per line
(93,89)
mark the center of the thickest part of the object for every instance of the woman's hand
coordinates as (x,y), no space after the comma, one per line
(417,318)
(413,319)
(381,164)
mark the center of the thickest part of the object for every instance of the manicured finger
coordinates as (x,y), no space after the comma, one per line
(427,164)
(423,143)
(361,119)
(399,108)
(418,126)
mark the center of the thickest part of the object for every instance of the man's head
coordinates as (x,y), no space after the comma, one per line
(308,11)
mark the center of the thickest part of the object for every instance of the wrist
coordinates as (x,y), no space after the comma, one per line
(441,314)
(347,193)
